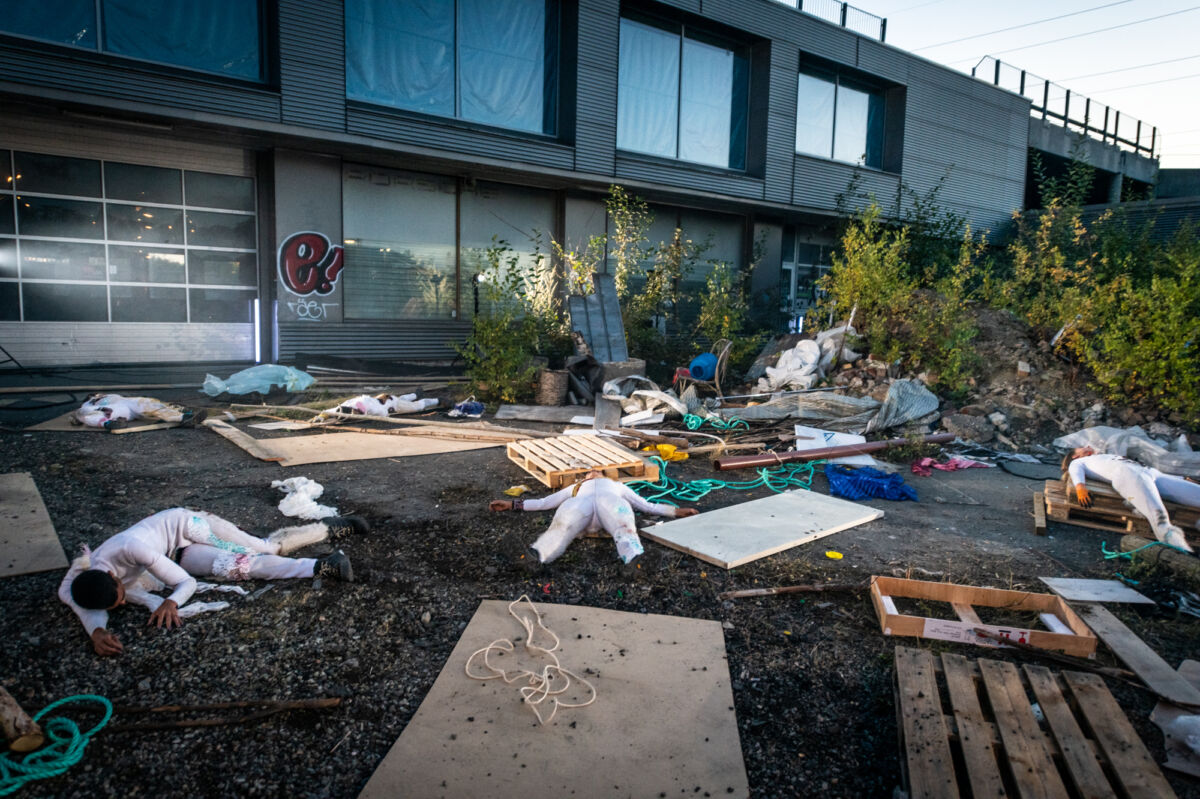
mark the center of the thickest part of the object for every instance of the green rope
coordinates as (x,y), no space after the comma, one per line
(64,750)
(780,478)
(1110,554)
(694,422)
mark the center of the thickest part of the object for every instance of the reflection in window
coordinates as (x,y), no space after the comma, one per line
(147,184)
(10,301)
(149,224)
(206,190)
(62,260)
(681,96)
(221,305)
(49,216)
(8,257)
(220,230)
(148,304)
(65,302)
(221,36)
(214,267)
(7,223)
(54,174)
(399,240)
(487,61)
(837,118)
(143,265)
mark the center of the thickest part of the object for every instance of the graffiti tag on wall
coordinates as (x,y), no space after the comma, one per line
(310,264)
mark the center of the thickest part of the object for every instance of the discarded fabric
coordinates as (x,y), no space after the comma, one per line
(925,466)
(866,483)
(469,407)
(260,378)
(301,498)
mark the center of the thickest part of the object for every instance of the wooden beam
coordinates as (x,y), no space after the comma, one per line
(22,733)
(250,445)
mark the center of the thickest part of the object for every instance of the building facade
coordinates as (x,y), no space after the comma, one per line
(245,180)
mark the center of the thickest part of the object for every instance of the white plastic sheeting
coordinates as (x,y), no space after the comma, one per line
(300,500)
(808,361)
(906,401)
(1171,457)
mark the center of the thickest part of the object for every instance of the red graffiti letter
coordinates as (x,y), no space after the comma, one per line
(309,263)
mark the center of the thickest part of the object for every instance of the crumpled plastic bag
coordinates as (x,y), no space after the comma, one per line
(906,401)
(301,498)
(259,378)
(1174,457)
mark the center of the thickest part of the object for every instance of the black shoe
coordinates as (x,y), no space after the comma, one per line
(191,417)
(343,526)
(516,553)
(335,565)
(114,424)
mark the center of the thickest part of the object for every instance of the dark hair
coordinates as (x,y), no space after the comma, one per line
(1066,461)
(94,590)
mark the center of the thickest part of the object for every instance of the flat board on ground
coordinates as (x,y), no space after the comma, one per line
(559,414)
(332,447)
(62,424)
(1071,588)
(28,542)
(738,534)
(662,723)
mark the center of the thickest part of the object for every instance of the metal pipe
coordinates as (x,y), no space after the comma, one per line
(776,458)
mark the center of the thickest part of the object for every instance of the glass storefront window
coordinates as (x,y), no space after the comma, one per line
(125,248)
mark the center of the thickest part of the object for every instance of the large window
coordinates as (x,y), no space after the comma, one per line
(83,240)
(401,230)
(221,36)
(493,62)
(840,119)
(681,95)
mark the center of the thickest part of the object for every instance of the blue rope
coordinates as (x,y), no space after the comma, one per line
(1110,554)
(777,479)
(64,750)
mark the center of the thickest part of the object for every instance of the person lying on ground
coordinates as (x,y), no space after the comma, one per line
(594,503)
(1141,486)
(113,411)
(379,405)
(179,544)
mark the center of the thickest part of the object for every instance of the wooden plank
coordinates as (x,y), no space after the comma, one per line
(250,445)
(1084,770)
(1039,513)
(1084,590)
(1180,756)
(926,739)
(974,731)
(1139,657)
(1132,764)
(610,308)
(966,613)
(1033,767)
(553,414)
(28,541)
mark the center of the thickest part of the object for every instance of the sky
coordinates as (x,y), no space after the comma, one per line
(1162,95)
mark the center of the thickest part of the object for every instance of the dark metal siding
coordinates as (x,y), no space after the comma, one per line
(385,124)
(410,339)
(819,182)
(312,64)
(684,176)
(85,75)
(781,123)
(596,99)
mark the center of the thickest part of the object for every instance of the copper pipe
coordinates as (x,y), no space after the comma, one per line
(825,453)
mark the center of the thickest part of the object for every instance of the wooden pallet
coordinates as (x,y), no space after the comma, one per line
(967,728)
(562,460)
(1109,511)
(1064,630)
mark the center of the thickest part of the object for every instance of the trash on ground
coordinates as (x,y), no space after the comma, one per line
(867,483)
(925,466)
(261,378)
(300,498)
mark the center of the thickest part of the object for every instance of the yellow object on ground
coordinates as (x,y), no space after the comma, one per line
(667,452)
(517,491)
(833,555)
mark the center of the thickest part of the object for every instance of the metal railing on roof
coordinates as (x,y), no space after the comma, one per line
(1069,109)
(843,14)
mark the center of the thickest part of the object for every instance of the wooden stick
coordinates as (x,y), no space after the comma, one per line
(813,588)
(771,459)
(398,419)
(1058,657)
(22,732)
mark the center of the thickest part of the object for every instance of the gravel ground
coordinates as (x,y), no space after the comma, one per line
(812,677)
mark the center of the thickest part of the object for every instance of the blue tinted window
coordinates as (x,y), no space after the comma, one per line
(70,22)
(681,96)
(219,36)
(837,118)
(488,61)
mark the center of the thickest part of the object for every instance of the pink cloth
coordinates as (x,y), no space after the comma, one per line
(925,466)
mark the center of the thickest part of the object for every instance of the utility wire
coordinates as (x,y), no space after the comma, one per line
(1127,69)
(1147,83)
(1022,25)
(1099,30)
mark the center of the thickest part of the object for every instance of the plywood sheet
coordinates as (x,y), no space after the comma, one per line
(739,534)
(62,424)
(1072,588)
(555,414)
(662,723)
(331,447)
(28,542)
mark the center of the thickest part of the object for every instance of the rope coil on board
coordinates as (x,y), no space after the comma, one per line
(64,750)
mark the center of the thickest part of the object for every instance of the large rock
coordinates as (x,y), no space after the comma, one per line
(969,428)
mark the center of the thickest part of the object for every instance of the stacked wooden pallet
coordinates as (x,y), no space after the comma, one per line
(969,728)
(562,460)
(1108,512)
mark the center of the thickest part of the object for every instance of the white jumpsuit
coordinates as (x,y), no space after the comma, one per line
(374,406)
(211,546)
(101,408)
(599,503)
(1142,487)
